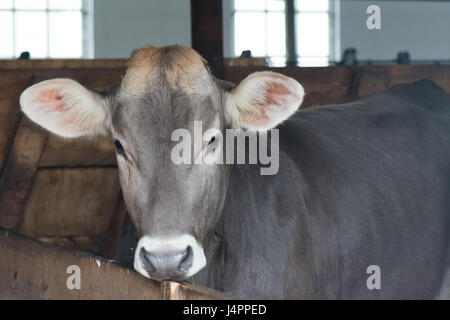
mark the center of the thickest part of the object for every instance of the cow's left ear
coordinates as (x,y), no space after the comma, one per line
(65,107)
(263,100)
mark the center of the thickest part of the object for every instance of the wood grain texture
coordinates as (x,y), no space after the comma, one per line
(12,83)
(34,64)
(81,152)
(33,270)
(19,171)
(71,202)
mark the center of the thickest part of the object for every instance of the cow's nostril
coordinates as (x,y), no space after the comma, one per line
(186,262)
(146,261)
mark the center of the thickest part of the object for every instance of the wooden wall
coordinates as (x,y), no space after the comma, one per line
(67,192)
(57,190)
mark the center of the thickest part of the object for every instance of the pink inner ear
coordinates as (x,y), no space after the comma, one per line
(50,99)
(275,96)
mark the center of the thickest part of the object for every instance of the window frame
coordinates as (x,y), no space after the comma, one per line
(291,35)
(266,13)
(87,29)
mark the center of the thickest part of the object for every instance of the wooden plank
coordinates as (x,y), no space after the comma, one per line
(96,151)
(19,171)
(33,270)
(62,63)
(71,202)
(366,81)
(404,74)
(206,28)
(12,83)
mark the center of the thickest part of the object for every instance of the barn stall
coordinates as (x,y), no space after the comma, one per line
(60,200)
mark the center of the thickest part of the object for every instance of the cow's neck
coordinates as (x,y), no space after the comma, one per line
(261,213)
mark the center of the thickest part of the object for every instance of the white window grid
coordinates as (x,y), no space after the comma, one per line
(87,27)
(274,60)
(302,60)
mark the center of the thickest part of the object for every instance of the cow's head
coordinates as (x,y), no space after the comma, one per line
(173,206)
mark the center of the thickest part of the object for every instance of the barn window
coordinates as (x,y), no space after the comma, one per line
(45,28)
(265,28)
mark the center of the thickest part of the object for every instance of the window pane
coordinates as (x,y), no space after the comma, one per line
(276,34)
(277,61)
(249,4)
(66,35)
(249,33)
(312,34)
(31,33)
(6,35)
(31,4)
(275,5)
(5,4)
(65,4)
(311,5)
(313,61)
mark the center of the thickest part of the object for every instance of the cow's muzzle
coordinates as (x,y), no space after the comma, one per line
(169,258)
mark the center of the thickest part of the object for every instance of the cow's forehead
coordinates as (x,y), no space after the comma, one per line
(180,67)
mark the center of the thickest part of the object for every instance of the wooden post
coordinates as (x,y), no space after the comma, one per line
(206,30)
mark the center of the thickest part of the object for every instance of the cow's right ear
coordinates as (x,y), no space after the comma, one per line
(65,107)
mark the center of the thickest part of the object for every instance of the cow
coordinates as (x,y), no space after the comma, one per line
(359,208)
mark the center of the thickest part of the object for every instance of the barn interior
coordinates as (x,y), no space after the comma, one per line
(60,199)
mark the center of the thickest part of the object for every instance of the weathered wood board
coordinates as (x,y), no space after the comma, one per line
(71,202)
(33,270)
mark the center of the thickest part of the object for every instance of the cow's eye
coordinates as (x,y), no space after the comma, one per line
(212,140)
(119,147)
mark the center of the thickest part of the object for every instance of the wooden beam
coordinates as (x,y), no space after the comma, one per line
(33,270)
(206,30)
(19,172)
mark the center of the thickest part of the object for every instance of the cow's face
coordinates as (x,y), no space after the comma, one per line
(173,205)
